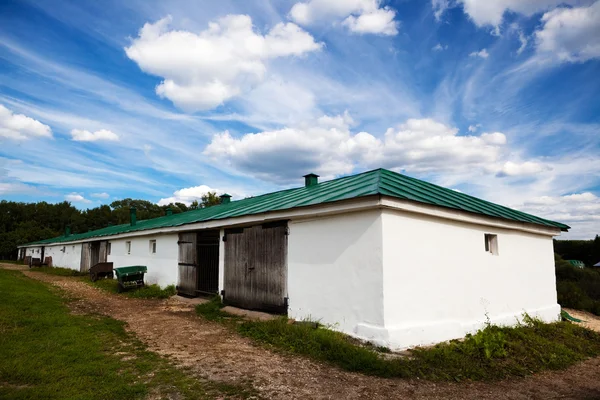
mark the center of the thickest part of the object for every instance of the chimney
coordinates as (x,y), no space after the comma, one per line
(311,180)
(67,230)
(169,211)
(225,198)
(133,216)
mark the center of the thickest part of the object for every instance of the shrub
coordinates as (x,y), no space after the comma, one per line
(577,288)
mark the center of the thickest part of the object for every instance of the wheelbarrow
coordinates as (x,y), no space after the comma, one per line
(130,277)
(101,270)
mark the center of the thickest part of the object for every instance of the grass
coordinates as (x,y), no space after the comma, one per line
(145,292)
(48,353)
(490,354)
(110,285)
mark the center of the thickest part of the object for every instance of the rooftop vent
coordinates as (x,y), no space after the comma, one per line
(225,198)
(169,211)
(133,216)
(67,230)
(311,180)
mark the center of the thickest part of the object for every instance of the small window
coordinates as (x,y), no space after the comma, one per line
(108,248)
(491,243)
(128,247)
(153,247)
(64,248)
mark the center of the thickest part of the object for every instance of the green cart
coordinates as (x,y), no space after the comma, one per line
(130,277)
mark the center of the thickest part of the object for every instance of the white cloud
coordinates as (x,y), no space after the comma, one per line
(359,16)
(439,7)
(523,40)
(570,34)
(203,70)
(581,211)
(76,198)
(482,54)
(82,135)
(520,169)
(328,147)
(473,128)
(103,195)
(491,12)
(439,47)
(188,195)
(21,127)
(380,21)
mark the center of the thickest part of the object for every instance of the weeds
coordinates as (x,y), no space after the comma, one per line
(491,353)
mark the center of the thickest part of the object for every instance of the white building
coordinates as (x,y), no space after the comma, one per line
(378,255)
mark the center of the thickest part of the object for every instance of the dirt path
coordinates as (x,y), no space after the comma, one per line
(589,320)
(213,352)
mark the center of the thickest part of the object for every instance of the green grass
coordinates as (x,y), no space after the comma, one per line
(110,285)
(490,354)
(146,292)
(59,271)
(48,353)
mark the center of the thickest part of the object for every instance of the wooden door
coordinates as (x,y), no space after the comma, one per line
(103,253)
(84,265)
(188,263)
(256,267)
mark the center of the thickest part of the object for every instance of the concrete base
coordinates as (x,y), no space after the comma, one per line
(423,333)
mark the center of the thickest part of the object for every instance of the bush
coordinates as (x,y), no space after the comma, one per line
(577,288)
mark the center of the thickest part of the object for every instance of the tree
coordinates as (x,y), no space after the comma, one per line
(210,199)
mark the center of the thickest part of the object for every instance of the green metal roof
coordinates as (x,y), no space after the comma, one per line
(377,182)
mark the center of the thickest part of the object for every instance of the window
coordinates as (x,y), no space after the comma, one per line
(491,243)
(153,247)
(128,247)
(108,248)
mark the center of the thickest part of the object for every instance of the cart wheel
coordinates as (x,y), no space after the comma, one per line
(93,276)
(120,288)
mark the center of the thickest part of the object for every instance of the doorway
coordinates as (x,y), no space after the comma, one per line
(198,263)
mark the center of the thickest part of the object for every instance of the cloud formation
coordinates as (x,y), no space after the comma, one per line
(21,127)
(82,135)
(481,54)
(203,70)
(570,34)
(328,147)
(188,195)
(359,16)
(76,198)
(491,12)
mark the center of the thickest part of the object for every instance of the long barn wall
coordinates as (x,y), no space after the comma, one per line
(65,256)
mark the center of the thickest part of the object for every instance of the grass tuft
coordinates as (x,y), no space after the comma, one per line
(58,271)
(491,353)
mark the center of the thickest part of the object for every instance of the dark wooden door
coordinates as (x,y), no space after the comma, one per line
(188,264)
(256,267)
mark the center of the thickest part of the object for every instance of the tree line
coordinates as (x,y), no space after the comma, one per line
(22,223)
(587,251)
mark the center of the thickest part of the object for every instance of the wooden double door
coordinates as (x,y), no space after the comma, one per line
(93,253)
(256,267)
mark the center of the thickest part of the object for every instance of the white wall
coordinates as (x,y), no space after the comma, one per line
(70,258)
(335,271)
(439,282)
(162,266)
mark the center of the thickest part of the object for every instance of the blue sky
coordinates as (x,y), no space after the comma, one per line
(166,100)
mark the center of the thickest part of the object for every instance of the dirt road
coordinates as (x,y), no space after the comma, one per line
(171,328)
